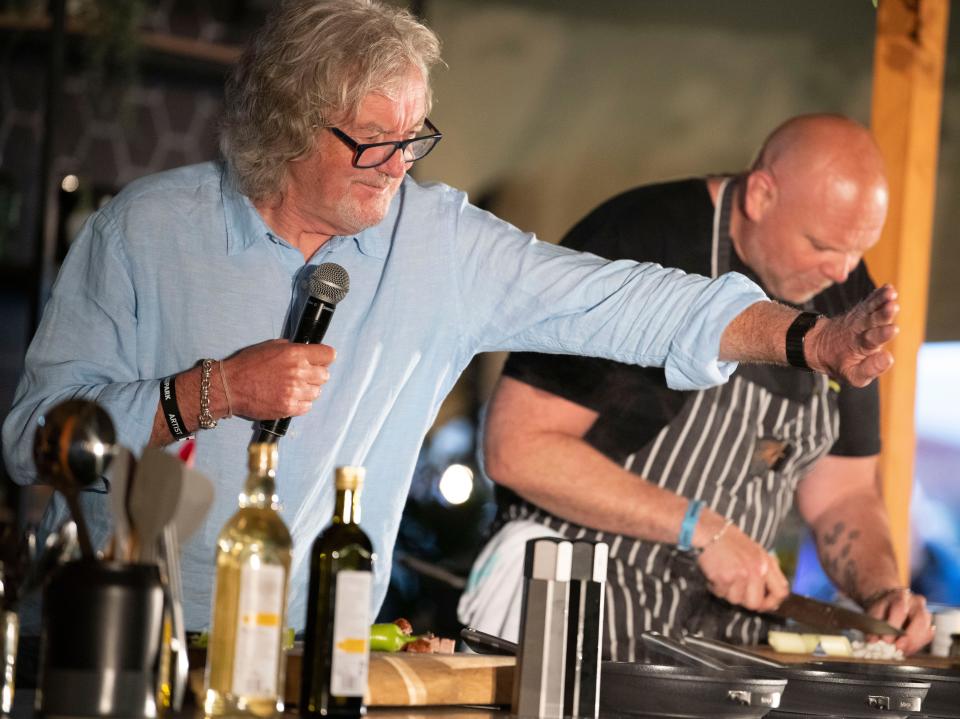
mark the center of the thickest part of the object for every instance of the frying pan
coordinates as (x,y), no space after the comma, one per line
(661,690)
(818,691)
(702,688)
(943,700)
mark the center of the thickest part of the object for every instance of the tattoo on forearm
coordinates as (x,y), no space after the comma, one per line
(830,537)
(851,579)
(836,545)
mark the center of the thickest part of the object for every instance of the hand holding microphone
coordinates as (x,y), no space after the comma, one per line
(329,284)
(280,377)
(277,378)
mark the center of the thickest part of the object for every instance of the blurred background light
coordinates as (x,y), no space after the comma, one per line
(456,483)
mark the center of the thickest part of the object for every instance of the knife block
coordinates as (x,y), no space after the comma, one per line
(101,643)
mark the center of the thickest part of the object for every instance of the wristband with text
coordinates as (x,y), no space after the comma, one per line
(171,412)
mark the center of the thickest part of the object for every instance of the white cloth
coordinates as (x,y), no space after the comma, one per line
(491,601)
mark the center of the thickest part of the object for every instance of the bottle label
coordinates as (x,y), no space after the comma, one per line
(259,631)
(351,634)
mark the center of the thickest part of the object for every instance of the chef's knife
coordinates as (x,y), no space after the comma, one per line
(830,617)
(815,614)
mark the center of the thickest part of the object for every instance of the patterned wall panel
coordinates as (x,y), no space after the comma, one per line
(103,135)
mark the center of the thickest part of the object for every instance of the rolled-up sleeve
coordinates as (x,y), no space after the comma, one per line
(85,347)
(552,299)
(693,359)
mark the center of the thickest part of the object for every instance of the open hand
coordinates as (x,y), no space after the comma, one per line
(850,346)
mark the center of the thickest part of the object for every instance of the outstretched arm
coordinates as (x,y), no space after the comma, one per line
(848,347)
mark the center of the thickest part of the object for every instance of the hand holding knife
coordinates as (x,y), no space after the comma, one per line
(817,615)
(830,617)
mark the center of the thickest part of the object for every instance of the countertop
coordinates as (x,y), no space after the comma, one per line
(23,709)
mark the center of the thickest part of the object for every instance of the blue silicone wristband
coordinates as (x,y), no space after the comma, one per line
(689,524)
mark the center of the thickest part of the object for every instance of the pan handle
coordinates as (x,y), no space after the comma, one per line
(722,650)
(664,645)
(483,643)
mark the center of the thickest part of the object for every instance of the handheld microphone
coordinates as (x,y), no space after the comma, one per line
(329,284)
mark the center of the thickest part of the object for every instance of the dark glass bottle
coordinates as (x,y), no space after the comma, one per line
(336,652)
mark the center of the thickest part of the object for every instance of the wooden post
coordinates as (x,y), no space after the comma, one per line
(909,59)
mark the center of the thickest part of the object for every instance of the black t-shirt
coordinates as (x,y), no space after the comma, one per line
(671,224)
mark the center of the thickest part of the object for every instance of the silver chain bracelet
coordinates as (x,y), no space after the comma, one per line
(205,417)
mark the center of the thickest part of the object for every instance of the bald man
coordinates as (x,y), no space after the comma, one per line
(690,489)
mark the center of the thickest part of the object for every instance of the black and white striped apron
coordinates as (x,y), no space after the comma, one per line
(712,450)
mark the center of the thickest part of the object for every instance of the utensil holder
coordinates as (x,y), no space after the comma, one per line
(102,627)
(539,678)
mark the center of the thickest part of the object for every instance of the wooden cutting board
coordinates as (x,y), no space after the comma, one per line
(402,679)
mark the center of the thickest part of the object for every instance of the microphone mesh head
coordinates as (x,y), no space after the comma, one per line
(329,283)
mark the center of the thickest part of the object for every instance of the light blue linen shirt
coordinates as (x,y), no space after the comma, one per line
(179,267)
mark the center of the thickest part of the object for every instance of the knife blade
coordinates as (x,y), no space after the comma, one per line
(823,616)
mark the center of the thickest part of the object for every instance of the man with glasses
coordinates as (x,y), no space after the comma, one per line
(325,113)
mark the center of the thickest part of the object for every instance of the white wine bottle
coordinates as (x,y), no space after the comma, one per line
(245,661)
(336,651)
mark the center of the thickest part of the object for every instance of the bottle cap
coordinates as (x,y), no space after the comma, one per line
(350,477)
(262,457)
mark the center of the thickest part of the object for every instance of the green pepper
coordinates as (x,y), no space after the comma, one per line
(389,638)
(199,641)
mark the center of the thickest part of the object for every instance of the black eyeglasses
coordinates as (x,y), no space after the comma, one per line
(373,154)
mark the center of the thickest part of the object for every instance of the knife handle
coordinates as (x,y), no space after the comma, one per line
(657,642)
(483,643)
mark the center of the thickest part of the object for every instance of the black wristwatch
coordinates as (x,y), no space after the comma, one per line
(795,335)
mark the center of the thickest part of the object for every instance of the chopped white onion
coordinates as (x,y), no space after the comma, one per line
(878,649)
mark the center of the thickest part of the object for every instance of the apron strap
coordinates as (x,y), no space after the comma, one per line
(722,242)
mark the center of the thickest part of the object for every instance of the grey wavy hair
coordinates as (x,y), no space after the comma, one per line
(309,67)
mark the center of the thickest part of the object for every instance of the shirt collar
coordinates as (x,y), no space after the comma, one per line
(245,225)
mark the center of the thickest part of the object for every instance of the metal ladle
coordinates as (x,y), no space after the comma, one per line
(73,446)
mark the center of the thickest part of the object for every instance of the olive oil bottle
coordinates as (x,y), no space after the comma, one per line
(245,661)
(336,652)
